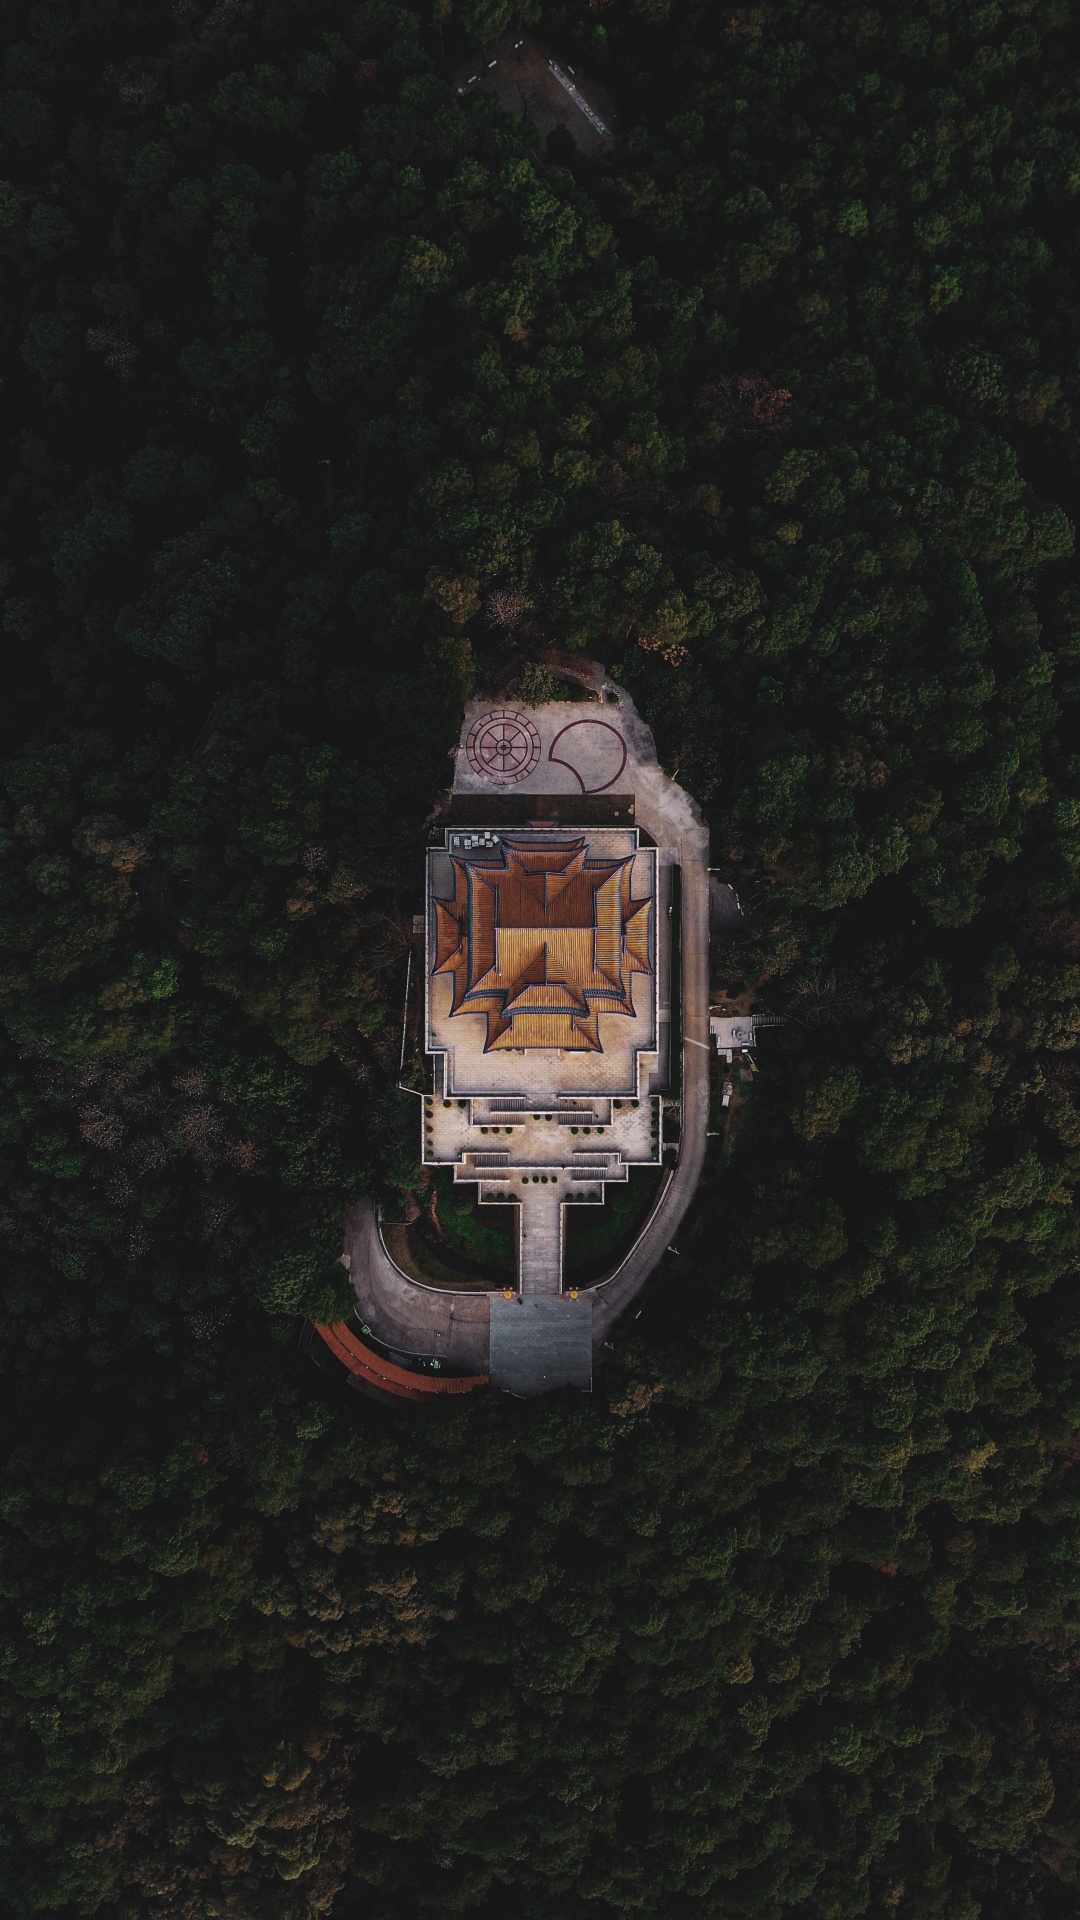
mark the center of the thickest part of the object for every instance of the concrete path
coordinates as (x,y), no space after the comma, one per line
(540,1242)
(415,1319)
(430,1322)
(531,85)
(675,823)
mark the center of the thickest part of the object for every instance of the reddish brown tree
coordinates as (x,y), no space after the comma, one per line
(749,406)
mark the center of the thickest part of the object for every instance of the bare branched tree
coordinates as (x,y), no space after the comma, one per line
(506,608)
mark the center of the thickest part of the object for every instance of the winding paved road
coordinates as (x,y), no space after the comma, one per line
(435,1322)
(613,1296)
(430,1322)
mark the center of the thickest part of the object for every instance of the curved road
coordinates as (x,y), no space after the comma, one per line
(432,1322)
(436,1322)
(613,1296)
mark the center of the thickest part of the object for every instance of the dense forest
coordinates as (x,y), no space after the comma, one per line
(329,396)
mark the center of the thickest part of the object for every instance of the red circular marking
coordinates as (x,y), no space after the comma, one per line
(503,746)
(608,728)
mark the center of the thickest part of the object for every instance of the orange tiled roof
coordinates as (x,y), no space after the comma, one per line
(542,940)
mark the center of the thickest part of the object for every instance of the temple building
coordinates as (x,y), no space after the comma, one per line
(543,1019)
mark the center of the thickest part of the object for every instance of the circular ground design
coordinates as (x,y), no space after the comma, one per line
(593,750)
(503,746)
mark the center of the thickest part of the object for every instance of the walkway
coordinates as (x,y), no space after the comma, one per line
(668,814)
(540,1241)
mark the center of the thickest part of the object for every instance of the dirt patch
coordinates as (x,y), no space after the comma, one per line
(533,84)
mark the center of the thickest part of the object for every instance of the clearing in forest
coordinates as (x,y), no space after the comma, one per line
(533,83)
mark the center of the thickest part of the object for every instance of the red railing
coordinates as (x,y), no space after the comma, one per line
(377,1372)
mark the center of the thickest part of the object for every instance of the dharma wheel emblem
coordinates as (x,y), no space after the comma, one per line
(503,746)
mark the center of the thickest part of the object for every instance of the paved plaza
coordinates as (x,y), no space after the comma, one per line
(544,90)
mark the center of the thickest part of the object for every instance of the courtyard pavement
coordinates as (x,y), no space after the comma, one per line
(533,83)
